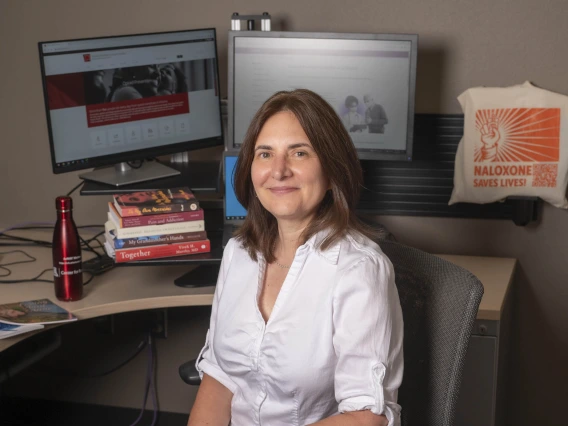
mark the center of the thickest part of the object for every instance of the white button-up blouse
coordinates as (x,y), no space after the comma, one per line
(332,344)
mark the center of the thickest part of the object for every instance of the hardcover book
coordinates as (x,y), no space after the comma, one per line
(157,252)
(41,311)
(153,219)
(154,240)
(155,202)
(142,231)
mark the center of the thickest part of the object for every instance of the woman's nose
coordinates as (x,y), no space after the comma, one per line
(280,167)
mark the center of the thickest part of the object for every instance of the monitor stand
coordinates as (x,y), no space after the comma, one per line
(123,174)
(202,276)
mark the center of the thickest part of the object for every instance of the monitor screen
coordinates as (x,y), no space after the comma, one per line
(233,209)
(125,98)
(369,79)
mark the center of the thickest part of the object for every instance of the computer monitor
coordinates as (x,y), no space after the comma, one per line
(369,79)
(114,100)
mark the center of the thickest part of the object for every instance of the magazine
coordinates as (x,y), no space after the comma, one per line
(9,330)
(42,311)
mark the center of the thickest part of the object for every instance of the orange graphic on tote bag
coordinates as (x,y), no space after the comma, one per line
(518,135)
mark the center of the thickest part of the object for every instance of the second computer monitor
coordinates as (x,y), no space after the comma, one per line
(369,79)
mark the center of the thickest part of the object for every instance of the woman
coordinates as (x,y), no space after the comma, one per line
(306,321)
(172,80)
(352,120)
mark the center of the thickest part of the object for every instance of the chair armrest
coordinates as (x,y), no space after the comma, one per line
(189,373)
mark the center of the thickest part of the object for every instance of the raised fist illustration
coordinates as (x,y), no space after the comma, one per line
(490,137)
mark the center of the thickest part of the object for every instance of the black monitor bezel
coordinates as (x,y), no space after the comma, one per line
(140,154)
(363,154)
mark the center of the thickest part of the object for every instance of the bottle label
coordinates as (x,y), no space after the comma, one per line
(66,264)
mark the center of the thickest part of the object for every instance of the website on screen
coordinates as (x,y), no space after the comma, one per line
(127,98)
(367,82)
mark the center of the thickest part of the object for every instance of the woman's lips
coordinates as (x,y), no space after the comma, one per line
(281,190)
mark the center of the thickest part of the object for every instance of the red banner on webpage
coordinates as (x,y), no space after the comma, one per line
(137,109)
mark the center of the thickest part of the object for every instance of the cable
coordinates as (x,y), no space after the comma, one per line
(150,385)
(153,353)
(89,247)
(35,279)
(90,279)
(96,238)
(68,373)
(23,241)
(75,188)
(26,225)
(3,266)
(3,235)
(17,241)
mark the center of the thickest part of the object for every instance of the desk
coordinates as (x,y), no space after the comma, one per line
(119,290)
(126,289)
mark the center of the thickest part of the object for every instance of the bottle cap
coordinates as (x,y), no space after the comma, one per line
(63,203)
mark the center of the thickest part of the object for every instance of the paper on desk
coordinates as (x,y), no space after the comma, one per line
(9,330)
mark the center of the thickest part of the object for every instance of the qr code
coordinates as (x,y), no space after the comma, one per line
(544,175)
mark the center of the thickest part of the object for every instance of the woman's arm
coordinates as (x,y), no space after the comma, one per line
(368,336)
(212,405)
(354,418)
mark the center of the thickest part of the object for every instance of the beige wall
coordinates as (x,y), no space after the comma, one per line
(462,44)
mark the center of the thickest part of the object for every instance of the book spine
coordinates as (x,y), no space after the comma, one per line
(160,219)
(166,229)
(127,211)
(155,240)
(157,252)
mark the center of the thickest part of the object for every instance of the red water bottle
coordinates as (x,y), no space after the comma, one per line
(67,262)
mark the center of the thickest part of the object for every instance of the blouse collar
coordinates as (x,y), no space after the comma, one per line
(331,254)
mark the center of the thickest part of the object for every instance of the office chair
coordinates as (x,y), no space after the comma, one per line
(439,303)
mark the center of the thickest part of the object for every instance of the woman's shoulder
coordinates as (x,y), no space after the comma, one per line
(234,247)
(356,248)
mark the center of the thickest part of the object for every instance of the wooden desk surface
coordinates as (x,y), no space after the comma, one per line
(122,289)
(496,275)
(125,289)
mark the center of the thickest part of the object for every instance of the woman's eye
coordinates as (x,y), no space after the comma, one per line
(263,155)
(301,154)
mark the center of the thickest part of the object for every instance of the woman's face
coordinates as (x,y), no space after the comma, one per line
(168,78)
(353,107)
(286,172)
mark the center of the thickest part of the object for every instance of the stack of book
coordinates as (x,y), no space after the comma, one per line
(155,224)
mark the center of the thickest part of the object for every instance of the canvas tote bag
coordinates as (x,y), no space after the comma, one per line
(515,143)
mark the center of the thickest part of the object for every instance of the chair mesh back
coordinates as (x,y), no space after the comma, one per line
(439,304)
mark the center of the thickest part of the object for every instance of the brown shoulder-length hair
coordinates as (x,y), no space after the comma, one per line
(339,163)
